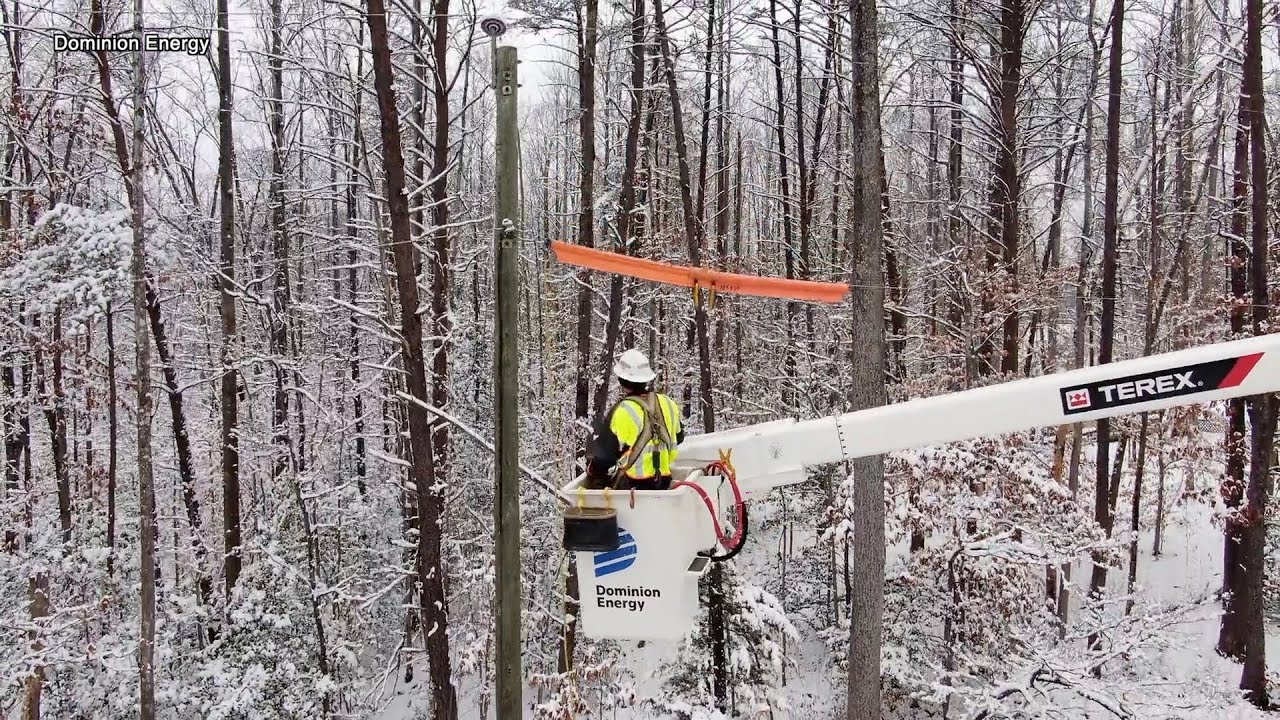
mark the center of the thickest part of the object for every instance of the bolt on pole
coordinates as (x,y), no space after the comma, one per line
(509,677)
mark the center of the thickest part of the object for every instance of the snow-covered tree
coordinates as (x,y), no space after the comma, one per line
(756,626)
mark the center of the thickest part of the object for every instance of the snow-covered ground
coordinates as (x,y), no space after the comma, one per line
(1183,678)
(1190,568)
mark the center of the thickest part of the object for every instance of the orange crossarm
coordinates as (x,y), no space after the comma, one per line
(593,259)
(685,276)
(825,292)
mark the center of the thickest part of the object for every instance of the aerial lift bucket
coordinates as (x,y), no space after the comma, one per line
(643,584)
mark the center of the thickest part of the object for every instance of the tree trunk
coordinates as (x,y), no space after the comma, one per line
(13,453)
(1111,230)
(181,442)
(895,283)
(717,628)
(1151,322)
(353,335)
(38,601)
(1082,314)
(146,489)
(586,238)
(807,168)
(421,470)
(692,229)
(1135,515)
(1262,408)
(112,432)
(955,167)
(717,620)
(1117,468)
(431,495)
(704,140)
(38,583)
(1006,180)
(129,170)
(1175,93)
(784,179)
(693,236)
(13,445)
(312,543)
(1252,606)
(1157,544)
(228,397)
(55,415)
(867,360)
(1231,639)
(625,240)
(1054,583)
(587,32)
(721,218)
(279,314)
(1213,176)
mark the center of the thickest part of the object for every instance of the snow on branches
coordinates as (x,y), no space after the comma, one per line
(756,624)
(75,259)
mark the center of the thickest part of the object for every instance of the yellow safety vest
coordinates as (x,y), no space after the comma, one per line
(627,424)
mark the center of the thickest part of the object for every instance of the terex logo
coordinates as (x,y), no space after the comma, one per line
(608,563)
(1158,384)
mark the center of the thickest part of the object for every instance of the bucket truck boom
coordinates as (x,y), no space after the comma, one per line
(647,586)
(775,453)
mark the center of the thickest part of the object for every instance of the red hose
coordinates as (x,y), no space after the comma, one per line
(725,470)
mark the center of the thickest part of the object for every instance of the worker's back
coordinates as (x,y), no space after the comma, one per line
(649,431)
(635,442)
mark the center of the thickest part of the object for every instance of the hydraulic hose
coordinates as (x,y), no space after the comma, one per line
(732,544)
(741,542)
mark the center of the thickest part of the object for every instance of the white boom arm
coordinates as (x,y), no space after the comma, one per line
(776,453)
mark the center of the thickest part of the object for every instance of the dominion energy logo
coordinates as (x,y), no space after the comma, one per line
(608,563)
(622,597)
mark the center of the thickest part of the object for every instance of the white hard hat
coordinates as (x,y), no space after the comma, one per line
(633,366)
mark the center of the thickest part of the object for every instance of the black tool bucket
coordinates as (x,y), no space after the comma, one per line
(589,529)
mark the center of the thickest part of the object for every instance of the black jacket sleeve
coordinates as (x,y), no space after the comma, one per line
(679,423)
(605,451)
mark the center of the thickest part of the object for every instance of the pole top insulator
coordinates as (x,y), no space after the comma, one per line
(493,26)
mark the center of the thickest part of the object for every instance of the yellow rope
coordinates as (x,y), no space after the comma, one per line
(711,295)
(725,457)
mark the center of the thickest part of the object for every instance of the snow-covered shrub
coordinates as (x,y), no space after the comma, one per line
(594,685)
(74,258)
(806,577)
(755,623)
(264,664)
(85,640)
(958,609)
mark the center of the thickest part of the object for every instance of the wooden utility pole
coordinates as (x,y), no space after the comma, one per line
(506,369)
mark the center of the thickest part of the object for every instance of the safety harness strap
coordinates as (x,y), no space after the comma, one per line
(654,422)
(657,418)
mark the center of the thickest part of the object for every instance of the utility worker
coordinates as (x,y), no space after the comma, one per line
(634,444)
